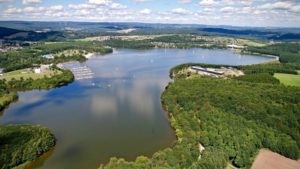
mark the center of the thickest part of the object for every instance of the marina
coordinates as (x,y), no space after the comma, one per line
(80,71)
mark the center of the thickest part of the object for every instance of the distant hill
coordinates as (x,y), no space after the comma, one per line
(15,34)
(8,31)
(62,29)
(262,33)
(235,32)
(287,36)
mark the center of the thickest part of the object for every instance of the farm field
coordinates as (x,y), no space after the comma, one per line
(269,160)
(288,79)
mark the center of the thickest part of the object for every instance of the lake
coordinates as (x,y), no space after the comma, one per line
(116,113)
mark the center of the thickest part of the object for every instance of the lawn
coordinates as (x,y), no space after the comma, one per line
(28,73)
(288,79)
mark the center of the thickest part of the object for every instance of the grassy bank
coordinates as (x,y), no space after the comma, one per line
(59,79)
(28,74)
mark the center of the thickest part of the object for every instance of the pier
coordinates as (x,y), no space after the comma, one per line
(80,71)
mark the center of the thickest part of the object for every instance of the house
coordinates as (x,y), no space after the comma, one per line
(233,46)
(41,69)
(207,71)
(44,67)
(48,56)
(1,72)
(37,70)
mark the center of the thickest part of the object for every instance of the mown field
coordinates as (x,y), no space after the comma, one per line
(288,79)
(28,74)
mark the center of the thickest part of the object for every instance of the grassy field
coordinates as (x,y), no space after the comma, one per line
(288,79)
(70,53)
(28,73)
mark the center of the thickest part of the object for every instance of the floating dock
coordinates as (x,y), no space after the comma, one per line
(80,72)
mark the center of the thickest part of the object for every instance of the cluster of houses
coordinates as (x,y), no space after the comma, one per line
(233,46)
(41,69)
(216,72)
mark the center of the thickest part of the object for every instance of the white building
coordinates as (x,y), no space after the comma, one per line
(41,69)
(233,46)
(37,70)
(48,56)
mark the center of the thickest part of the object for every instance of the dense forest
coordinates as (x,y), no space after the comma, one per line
(141,44)
(23,143)
(287,52)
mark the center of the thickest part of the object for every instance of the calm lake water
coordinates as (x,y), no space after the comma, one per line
(118,112)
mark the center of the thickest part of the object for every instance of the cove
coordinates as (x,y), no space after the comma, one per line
(118,112)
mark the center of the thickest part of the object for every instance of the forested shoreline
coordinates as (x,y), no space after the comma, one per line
(33,55)
(21,144)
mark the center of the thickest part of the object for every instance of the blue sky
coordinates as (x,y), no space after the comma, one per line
(277,13)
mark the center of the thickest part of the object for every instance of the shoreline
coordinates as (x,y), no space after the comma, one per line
(89,55)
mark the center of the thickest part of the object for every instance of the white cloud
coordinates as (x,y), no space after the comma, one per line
(117,6)
(12,11)
(100,2)
(208,9)
(56,8)
(180,11)
(2,1)
(81,6)
(246,2)
(277,5)
(146,11)
(245,10)
(26,2)
(230,12)
(142,0)
(33,10)
(207,2)
(185,1)
(227,9)
(295,9)
(234,2)
(257,12)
